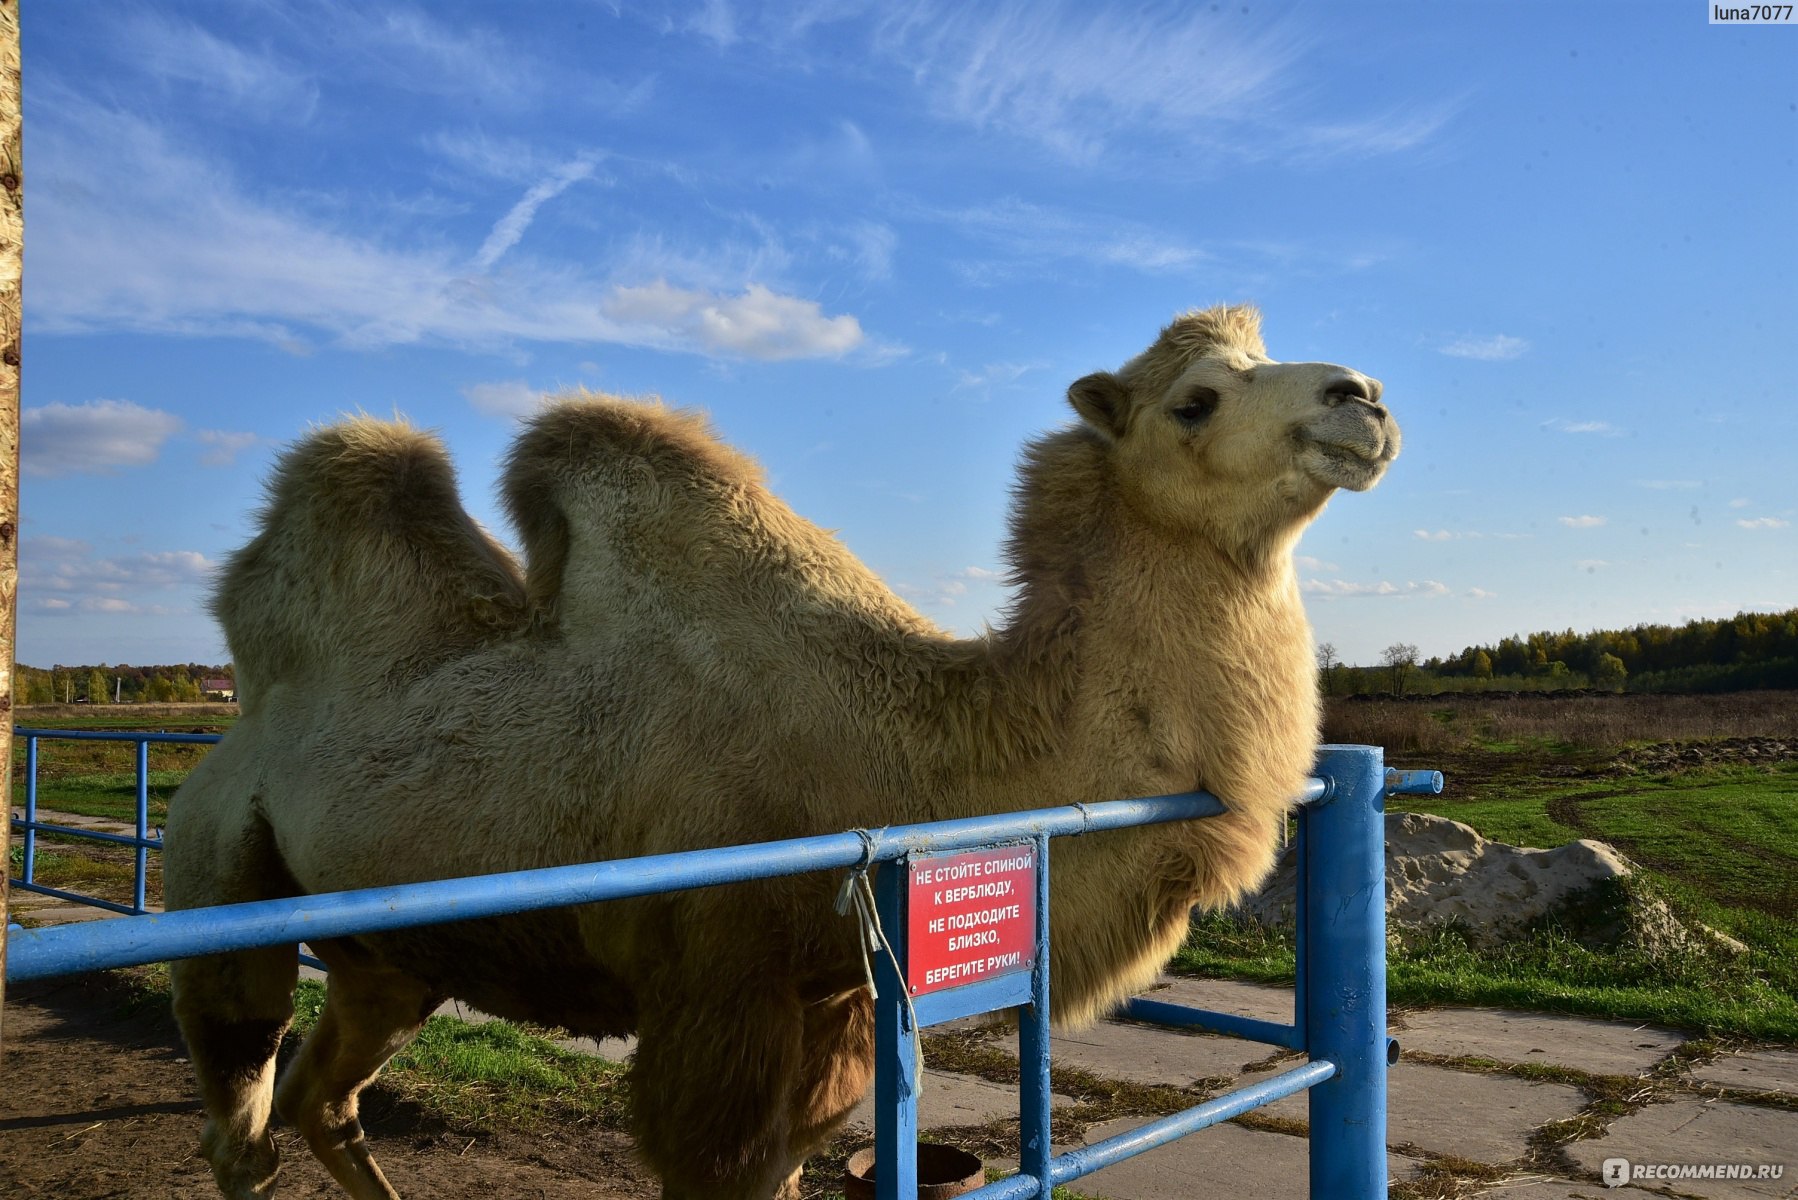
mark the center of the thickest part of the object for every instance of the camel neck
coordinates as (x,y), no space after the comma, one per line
(1120,635)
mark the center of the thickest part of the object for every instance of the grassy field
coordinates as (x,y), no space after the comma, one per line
(99,779)
(1700,792)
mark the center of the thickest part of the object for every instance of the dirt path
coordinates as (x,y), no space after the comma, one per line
(96,1103)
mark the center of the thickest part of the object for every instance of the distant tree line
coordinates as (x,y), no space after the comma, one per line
(1740,653)
(122,684)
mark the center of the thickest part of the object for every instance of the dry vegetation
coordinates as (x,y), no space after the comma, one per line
(1496,721)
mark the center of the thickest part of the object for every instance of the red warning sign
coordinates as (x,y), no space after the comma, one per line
(971,916)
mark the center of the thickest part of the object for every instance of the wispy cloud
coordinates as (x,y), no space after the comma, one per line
(715,22)
(1083,81)
(1584,522)
(463,58)
(1067,78)
(181,54)
(95,438)
(63,575)
(505,398)
(1440,535)
(1479,594)
(509,228)
(1032,231)
(756,324)
(1741,502)
(1601,428)
(141,234)
(1494,347)
(947,588)
(993,375)
(1333,589)
(223,446)
(1763,523)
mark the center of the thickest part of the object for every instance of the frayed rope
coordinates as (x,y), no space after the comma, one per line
(858,892)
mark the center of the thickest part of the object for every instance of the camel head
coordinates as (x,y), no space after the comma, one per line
(1206,433)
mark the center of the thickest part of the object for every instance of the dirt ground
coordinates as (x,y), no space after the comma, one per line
(96,1103)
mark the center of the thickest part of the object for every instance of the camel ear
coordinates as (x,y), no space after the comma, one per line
(1102,402)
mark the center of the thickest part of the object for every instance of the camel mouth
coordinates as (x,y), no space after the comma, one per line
(1355,465)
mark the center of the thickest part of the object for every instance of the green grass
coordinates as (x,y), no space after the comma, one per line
(1720,846)
(107,794)
(477,1074)
(70,872)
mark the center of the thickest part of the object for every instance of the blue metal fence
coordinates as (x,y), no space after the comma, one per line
(1339,1005)
(30,826)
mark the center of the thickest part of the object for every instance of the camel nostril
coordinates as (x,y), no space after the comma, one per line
(1349,388)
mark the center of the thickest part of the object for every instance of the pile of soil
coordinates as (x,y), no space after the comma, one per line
(1682,756)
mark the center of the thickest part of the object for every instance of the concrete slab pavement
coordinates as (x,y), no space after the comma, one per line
(1225,1160)
(1601,1047)
(1696,1132)
(1752,1071)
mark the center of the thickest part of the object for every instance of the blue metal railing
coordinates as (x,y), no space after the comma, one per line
(30,826)
(1340,1000)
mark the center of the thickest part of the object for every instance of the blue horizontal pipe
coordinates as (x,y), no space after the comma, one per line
(40,953)
(1099,1155)
(93,835)
(116,735)
(1413,783)
(19,885)
(1012,1187)
(1181,1016)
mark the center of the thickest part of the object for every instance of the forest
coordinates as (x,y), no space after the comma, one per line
(120,684)
(1740,653)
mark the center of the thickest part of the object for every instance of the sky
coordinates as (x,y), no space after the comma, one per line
(876,242)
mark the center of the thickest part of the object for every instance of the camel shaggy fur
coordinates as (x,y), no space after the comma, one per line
(687,663)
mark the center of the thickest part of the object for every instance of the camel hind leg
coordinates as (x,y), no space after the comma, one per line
(370,1013)
(233,1010)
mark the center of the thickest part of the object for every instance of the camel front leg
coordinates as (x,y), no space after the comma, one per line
(711,1085)
(233,1010)
(370,1014)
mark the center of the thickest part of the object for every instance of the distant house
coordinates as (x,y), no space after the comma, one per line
(219,689)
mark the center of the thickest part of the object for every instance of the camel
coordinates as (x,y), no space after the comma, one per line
(688,663)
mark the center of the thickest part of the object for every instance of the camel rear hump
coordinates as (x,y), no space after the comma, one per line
(366,568)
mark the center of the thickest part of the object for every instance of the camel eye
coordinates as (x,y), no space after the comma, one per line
(1199,404)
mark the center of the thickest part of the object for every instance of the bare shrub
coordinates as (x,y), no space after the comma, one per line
(1590,720)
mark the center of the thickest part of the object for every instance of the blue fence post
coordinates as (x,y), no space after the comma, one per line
(28,873)
(143,824)
(896,1062)
(1033,1042)
(1344,967)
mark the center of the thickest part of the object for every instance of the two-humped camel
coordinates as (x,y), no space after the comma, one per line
(688,663)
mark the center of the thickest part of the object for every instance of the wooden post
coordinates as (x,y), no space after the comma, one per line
(12,266)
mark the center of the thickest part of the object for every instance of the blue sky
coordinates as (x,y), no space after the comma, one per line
(876,242)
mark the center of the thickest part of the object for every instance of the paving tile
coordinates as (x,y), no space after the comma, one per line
(611,1049)
(1603,1047)
(1486,1118)
(1145,1054)
(1225,1160)
(1753,1071)
(1228,996)
(1536,1187)
(950,1099)
(1698,1132)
